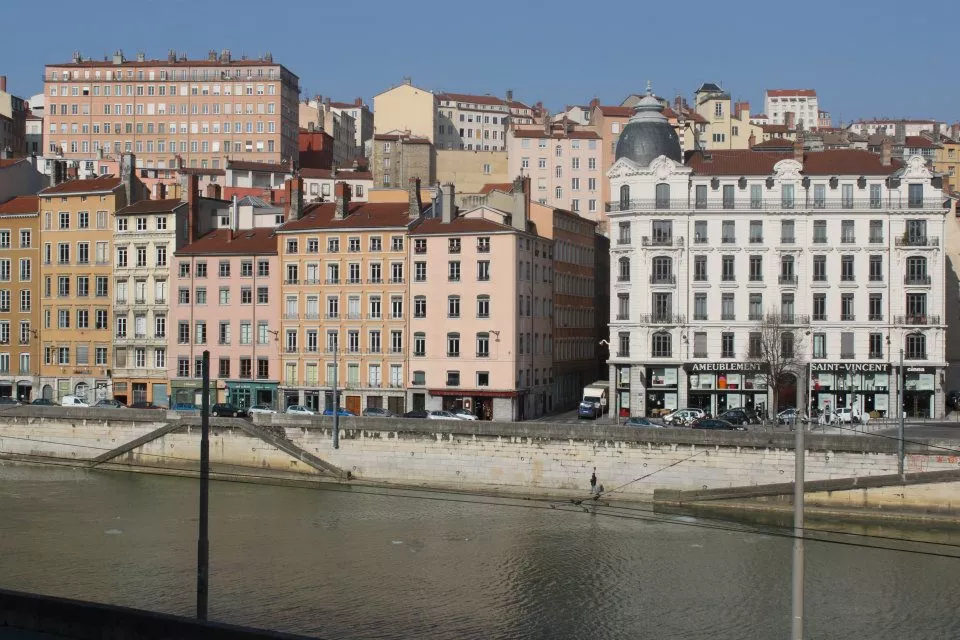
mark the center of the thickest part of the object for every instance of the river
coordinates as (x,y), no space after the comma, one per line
(361,564)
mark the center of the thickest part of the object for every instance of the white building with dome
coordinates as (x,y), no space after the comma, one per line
(843,247)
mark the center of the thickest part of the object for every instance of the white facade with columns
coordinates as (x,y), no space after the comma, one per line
(847,250)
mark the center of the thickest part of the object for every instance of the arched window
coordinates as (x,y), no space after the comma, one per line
(624,197)
(917,270)
(483,345)
(661,270)
(419,344)
(453,344)
(661,345)
(624,275)
(915,347)
(663,196)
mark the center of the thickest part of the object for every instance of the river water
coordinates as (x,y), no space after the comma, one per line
(362,564)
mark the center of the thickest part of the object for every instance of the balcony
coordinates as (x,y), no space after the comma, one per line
(332,316)
(756,239)
(753,317)
(396,280)
(876,355)
(332,281)
(847,355)
(661,241)
(625,277)
(623,353)
(483,248)
(311,281)
(917,280)
(623,316)
(374,280)
(728,316)
(848,317)
(291,282)
(788,279)
(819,317)
(915,355)
(917,241)
(396,316)
(660,278)
(354,281)
(790,318)
(916,320)
(698,239)
(661,318)
(291,316)
(483,354)
(788,239)
(623,239)
(290,349)
(876,240)
(700,354)
(420,250)
(875,317)
(312,315)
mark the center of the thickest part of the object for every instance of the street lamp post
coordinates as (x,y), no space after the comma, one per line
(900,409)
(336,400)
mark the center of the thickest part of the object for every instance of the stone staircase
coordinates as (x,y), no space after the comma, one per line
(133,444)
(276,436)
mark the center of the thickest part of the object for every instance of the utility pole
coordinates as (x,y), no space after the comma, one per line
(336,400)
(797,594)
(203,542)
(900,409)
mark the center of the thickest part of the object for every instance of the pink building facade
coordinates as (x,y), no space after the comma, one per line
(226,299)
(564,164)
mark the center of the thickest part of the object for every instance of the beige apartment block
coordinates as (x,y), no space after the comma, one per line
(19,297)
(406,108)
(728,125)
(337,123)
(471,170)
(172,113)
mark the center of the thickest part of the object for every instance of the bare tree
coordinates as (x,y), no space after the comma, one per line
(776,345)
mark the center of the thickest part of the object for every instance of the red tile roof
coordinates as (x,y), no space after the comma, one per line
(367,215)
(475,99)
(200,171)
(345,105)
(406,139)
(264,167)
(325,174)
(774,143)
(779,93)
(540,133)
(168,63)
(152,206)
(21,205)
(92,185)
(616,112)
(743,162)
(506,187)
(460,224)
(250,242)
(9,162)
(774,128)
(918,142)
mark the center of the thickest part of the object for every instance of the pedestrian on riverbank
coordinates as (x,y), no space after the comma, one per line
(593,481)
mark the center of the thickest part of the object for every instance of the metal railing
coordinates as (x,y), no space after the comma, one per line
(661,241)
(662,279)
(918,320)
(788,279)
(661,318)
(749,204)
(916,280)
(917,241)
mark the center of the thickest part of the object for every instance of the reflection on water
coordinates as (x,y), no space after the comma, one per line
(360,564)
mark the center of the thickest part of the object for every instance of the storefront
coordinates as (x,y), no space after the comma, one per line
(864,387)
(661,390)
(718,386)
(190,392)
(245,394)
(486,405)
(621,402)
(919,391)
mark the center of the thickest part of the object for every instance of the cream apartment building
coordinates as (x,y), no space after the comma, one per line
(172,112)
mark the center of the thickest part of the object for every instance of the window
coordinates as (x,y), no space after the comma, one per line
(662,196)
(453,307)
(915,346)
(623,306)
(846,269)
(787,274)
(727,345)
(916,308)
(624,270)
(700,232)
(915,196)
(846,345)
(729,196)
(661,270)
(876,198)
(419,344)
(624,233)
(786,196)
(876,345)
(819,268)
(819,231)
(756,232)
(819,196)
(483,306)
(700,306)
(846,232)
(876,231)
(787,344)
(728,307)
(754,345)
(916,271)
(876,307)
(727,272)
(420,307)
(756,268)
(483,270)
(756,196)
(728,233)
(819,346)
(756,307)
(623,347)
(787,232)
(453,271)
(246,269)
(453,345)
(700,196)
(819,307)
(846,307)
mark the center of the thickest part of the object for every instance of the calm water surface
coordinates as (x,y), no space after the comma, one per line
(351,564)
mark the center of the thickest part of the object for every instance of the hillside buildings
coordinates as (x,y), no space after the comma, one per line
(13,121)
(19,297)
(319,115)
(793,108)
(843,249)
(171,113)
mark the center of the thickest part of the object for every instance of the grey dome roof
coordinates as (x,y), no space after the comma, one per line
(648,135)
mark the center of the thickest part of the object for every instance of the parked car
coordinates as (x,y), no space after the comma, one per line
(7,401)
(682,417)
(441,415)
(185,406)
(224,410)
(145,405)
(638,421)
(589,409)
(847,415)
(953,400)
(340,412)
(44,402)
(716,423)
(260,408)
(73,401)
(378,412)
(790,415)
(463,414)
(299,410)
(109,403)
(736,417)
(417,413)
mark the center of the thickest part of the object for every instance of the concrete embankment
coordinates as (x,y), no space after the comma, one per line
(521,458)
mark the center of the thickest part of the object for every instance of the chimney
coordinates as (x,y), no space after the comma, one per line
(739,108)
(936,132)
(594,103)
(127,170)
(3,83)
(798,149)
(415,206)
(310,126)
(358,102)
(341,192)
(234,218)
(161,191)
(901,133)
(752,140)
(295,198)
(509,95)
(886,152)
(519,209)
(212,191)
(193,206)
(447,208)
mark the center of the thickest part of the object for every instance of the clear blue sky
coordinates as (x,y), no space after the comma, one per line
(865,59)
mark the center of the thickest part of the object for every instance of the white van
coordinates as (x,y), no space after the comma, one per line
(73,401)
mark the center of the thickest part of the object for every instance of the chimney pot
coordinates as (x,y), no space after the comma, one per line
(3,83)
(447,207)
(341,192)
(798,149)
(414,204)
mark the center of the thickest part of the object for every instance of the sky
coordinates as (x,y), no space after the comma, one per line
(865,59)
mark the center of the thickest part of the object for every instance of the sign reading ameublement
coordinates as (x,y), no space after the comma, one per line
(726,367)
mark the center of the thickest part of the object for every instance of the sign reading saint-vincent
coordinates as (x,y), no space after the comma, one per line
(725,367)
(850,367)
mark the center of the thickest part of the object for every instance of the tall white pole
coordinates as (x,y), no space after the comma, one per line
(797,599)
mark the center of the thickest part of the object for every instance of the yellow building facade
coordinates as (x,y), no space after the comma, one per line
(406,108)
(19,297)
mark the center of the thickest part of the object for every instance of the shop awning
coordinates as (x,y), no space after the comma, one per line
(472,393)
